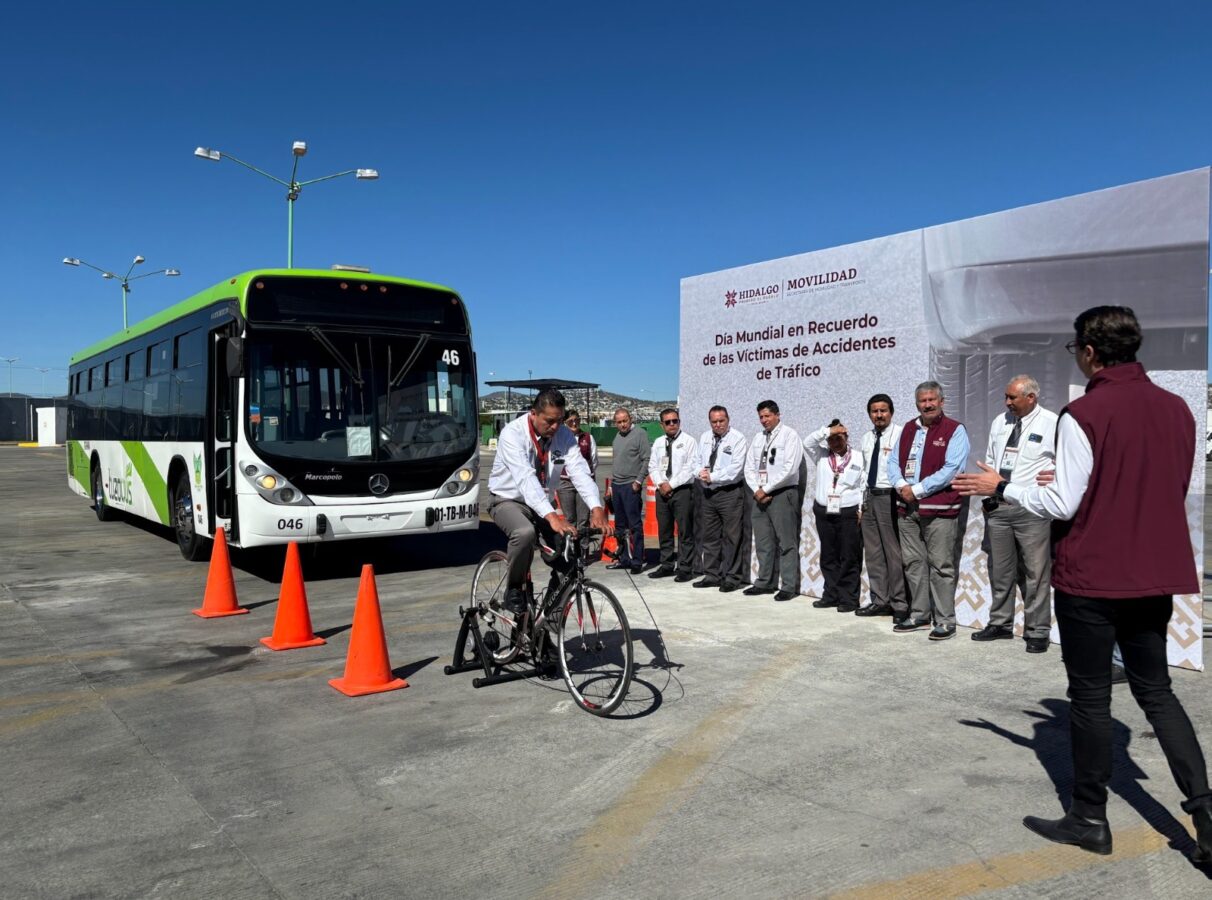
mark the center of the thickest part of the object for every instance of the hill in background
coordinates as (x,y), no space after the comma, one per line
(604,403)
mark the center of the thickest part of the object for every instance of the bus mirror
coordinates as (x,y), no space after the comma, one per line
(235,357)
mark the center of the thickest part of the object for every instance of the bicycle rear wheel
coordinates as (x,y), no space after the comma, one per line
(597,657)
(488,596)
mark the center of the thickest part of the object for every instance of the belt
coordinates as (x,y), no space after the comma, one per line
(879,492)
(723,487)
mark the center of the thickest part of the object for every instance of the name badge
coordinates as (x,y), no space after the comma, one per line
(1009,458)
(761,478)
(911,468)
(834,506)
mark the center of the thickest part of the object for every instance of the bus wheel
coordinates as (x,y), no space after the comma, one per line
(193,546)
(105,512)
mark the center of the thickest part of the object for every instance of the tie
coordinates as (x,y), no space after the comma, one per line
(715,449)
(875,460)
(540,462)
(1013,442)
(668,458)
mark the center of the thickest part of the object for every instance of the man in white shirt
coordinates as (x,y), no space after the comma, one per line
(1022,444)
(721,525)
(881,544)
(672,465)
(532,452)
(772,471)
(836,507)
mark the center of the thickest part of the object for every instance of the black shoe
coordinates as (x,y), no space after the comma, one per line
(874,609)
(823,603)
(847,608)
(1037,645)
(706,583)
(1118,674)
(515,602)
(782,596)
(683,577)
(661,573)
(637,569)
(1202,818)
(755,591)
(1092,836)
(728,587)
(993,633)
(905,625)
(619,565)
(942,632)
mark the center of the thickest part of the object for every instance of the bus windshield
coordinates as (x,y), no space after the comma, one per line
(321,394)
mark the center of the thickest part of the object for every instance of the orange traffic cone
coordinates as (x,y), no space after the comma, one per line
(220,597)
(292,624)
(367,670)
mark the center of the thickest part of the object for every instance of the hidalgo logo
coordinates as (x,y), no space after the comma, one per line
(730,298)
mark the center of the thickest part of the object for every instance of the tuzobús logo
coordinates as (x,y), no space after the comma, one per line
(121,489)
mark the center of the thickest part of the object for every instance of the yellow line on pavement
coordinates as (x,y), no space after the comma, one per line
(614,837)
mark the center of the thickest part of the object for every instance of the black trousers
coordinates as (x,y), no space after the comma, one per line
(721,532)
(677,508)
(841,553)
(1089,629)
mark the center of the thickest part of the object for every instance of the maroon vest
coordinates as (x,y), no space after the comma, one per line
(585,442)
(1130,536)
(946,503)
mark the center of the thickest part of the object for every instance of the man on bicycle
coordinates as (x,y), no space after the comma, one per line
(532,452)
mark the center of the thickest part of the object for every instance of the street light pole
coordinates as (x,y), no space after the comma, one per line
(10,360)
(124,280)
(293,187)
(43,370)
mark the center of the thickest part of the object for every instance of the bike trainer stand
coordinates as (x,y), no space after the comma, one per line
(483,659)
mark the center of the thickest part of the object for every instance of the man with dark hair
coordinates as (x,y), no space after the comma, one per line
(931,450)
(672,466)
(629,468)
(881,545)
(772,471)
(534,450)
(574,508)
(722,475)
(836,508)
(1121,550)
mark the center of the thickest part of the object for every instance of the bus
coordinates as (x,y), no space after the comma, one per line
(283,405)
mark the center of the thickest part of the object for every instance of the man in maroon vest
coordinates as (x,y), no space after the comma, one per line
(1122,549)
(932,448)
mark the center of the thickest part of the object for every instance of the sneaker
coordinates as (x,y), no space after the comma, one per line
(942,632)
(993,633)
(906,625)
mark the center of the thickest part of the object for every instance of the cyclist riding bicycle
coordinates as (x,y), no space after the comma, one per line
(532,452)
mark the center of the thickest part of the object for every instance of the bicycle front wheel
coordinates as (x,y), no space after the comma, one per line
(488,596)
(596,654)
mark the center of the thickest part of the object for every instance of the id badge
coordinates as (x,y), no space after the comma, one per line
(911,468)
(761,478)
(1009,457)
(834,505)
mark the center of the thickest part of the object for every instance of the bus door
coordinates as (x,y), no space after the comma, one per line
(223,421)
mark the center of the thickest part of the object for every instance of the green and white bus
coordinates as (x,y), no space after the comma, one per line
(284,405)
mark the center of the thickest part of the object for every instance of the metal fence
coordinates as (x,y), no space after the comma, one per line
(18,421)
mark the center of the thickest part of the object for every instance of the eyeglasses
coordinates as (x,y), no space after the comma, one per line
(670,421)
(1073,346)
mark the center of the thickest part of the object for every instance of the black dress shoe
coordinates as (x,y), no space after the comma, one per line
(637,569)
(755,591)
(874,609)
(619,565)
(823,603)
(1119,674)
(728,587)
(942,632)
(1071,829)
(993,633)
(782,596)
(1202,817)
(905,625)
(1037,645)
(661,573)
(706,583)
(847,608)
(683,577)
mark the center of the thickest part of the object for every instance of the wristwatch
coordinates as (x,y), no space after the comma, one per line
(1000,490)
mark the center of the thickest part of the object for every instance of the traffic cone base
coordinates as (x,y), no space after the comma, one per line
(292,624)
(220,597)
(360,690)
(367,670)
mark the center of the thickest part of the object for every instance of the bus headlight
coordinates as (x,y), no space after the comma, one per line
(272,486)
(267,482)
(464,479)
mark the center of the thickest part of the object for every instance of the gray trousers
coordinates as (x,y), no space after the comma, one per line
(882,553)
(721,534)
(677,509)
(574,508)
(776,539)
(1020,553)
(522,526)
(928,548)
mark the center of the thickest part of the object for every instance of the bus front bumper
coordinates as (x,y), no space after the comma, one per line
(263,523)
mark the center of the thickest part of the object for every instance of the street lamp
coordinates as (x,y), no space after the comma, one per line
(43,370)
(293,187)
(10,360)
(124,280)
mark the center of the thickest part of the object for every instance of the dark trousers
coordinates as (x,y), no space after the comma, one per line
(629,513)
(841,554)
(677,508)
(1089,629)
(721,534)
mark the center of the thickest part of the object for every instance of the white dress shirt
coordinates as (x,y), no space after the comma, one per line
(1036,444)
(514,475)
(1074,463)
(685,460)
(888,441)
(729,460)
(835,474)
(776,456)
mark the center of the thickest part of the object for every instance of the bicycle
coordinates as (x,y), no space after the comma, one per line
(577,626)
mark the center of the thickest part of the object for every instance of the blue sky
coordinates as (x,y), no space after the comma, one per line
(561,165)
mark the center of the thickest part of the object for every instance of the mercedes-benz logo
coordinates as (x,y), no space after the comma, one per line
(379,484)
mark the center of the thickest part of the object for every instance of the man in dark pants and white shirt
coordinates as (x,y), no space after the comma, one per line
(629,468)
(837,509)
(1122,549)
(1022,445)
(881,545)
(672,465)
(772,472)
(721,523)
